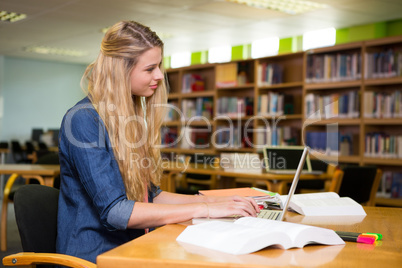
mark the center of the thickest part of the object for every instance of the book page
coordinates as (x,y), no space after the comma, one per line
(328,207)
(324,195)
(248,234)
(231,238)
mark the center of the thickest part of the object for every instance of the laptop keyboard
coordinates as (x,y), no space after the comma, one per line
(269,214)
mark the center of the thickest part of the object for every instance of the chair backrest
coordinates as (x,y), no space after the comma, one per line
(4,145)
(360,184)
(35,209)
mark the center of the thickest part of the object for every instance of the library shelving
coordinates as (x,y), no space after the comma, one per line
(348,93)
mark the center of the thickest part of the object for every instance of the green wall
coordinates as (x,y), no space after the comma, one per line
(36,95)
(293,44)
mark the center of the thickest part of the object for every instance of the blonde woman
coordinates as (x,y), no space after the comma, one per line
(109,190)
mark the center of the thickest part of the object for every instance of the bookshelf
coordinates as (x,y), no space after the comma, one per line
(277,98)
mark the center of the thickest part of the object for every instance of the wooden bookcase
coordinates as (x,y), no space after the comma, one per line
(343,73)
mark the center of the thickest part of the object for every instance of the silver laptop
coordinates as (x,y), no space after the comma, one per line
(279,214)
(285,160)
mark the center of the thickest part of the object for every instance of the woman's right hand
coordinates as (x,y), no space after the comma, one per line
(230,206)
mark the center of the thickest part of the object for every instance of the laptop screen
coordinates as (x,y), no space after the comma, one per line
(284,158)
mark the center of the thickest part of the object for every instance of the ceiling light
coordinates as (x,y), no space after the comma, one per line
(286,6)
(56,51)
(11,16)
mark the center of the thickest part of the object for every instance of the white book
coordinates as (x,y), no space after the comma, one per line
(248,234)
(324,204)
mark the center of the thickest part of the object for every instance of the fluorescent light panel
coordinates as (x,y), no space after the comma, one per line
(286,6)
(319,38)
(56,51)
(11,16)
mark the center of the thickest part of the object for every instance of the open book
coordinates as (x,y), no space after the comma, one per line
(248,234)
(324,204)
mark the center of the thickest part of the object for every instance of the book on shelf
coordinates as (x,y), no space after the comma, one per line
(390,185)
(248,234)
(323,68)
(198,107)
(383,64)
(324,204)
(198,138)
(235,106)
(330,142)
(169,137)
(344,105)
(192,82)
(226,75)
(382,104)
(269,74)
(383,145)
(283,136)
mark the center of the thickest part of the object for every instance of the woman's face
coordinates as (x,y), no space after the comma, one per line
(146,75)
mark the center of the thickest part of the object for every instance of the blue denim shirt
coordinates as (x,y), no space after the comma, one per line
(91,186)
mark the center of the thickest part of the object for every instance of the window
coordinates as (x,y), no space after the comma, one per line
(265,47)
(319,38)
(220,54)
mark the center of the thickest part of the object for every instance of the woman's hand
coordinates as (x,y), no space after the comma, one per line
(231,205)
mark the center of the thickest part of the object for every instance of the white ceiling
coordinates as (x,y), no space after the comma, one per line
(194,25)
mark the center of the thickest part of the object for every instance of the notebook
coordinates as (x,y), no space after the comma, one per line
(285,160)
(279,214)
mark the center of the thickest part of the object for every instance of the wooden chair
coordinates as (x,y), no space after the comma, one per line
(358,183)
(36,209)
(199,180)
(11,187)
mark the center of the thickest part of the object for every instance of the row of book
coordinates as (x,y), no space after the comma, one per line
(379,144)
(382,104)
(269,74)
(169,137)
(329,143)
(342,105)
(337,67)
(387,63)
(192,82)
(235,106)
(233,137)
(275,104)
(173,112)
(195,138)
(232,74)
(266,135)
(198,107)
(390,185)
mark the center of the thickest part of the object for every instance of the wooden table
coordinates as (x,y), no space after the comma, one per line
(45,174)
(275,182)
(160,248)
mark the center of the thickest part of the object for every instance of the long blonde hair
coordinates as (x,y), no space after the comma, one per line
(133,124)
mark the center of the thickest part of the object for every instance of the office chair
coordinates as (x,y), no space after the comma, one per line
(319,185)
(36,209)
(4,145)
(358,183)
(11,187)
(18,154)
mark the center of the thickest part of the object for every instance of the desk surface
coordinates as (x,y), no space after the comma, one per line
(159,248)
(30,169)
